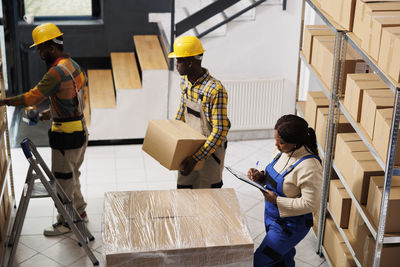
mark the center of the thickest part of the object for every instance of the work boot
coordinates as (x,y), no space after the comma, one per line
(84,217)
(57,229)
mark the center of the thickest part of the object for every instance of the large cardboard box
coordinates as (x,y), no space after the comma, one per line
(323,59)
(310,31)
(357,168)
(374,202)
(171,141)
(365,248)
(315,101)
(317,60)
(334,245)
(347,143)
(363,12)
(339,203)
(202,227)
(389,53)
(372,34)
(374,100)
(383,123)
(343,126)
(341,11)
(355,220)
(356,84)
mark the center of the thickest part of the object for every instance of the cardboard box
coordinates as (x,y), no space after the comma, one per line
(317,61)
(363,12)
(371,38)
(310,31)
(374,100)
(314,102)
(339,203)
(355,220)
(324,57)
(175,228)
(347,143)
(389,53)
(171,141)
(383,123)
(334,244)
(365,249)
(374,202)
(356,84)
(357,168)
(346,13)
(322,119)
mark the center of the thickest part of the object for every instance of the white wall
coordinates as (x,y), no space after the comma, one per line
(265,48)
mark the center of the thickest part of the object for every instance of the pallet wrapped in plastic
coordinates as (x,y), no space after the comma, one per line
(202,227)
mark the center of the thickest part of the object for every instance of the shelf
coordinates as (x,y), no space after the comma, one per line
(352,39)
(324,86)
(346,240)
(333,25)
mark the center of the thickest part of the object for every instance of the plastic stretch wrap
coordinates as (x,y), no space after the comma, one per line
(202,227)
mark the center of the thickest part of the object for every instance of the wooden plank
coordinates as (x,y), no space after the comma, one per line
(149,52)
(125,71)
(101,89)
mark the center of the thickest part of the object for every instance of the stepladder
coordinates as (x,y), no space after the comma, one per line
(41,183)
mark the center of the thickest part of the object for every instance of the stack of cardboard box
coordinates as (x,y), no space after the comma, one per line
(356,85)
(356,164)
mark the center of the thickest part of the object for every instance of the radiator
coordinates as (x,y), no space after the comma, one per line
(254,104)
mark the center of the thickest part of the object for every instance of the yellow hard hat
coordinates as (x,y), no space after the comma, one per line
(187,46)
(45,32)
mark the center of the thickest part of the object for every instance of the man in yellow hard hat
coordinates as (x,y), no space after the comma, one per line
(63,84)
(203,106)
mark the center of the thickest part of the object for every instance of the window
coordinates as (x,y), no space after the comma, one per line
(54,8)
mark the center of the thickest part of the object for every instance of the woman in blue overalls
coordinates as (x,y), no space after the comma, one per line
(293,180)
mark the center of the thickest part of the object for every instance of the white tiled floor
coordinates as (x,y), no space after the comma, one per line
(111,168)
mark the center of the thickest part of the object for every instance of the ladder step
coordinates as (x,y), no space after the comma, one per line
(125,71)
(149,52)
(101,89)
(39,191)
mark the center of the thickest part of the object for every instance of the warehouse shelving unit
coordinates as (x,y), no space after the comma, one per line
(6,177)
(342,38)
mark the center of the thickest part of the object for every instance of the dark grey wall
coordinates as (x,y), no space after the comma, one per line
(113,32)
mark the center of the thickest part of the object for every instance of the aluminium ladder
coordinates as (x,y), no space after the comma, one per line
(46,188)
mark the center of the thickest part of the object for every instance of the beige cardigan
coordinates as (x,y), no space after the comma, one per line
(302,186)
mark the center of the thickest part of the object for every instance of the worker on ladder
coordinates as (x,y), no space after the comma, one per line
(63,84)
(203,106)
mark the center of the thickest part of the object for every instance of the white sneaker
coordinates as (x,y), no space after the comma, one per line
(56,229)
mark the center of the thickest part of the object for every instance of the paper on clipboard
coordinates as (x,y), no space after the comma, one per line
(244,178)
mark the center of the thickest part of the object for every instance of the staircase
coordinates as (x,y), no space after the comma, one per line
(123,99)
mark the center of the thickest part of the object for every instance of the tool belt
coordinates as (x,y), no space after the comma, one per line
(67,133)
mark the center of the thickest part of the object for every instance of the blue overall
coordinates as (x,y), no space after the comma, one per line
(283,234)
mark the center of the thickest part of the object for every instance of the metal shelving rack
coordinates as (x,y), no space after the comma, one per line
(342,38)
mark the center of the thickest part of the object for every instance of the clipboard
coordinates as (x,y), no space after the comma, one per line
(243,177)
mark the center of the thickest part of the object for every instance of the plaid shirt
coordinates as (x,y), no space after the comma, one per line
(59,86)
(215,101)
